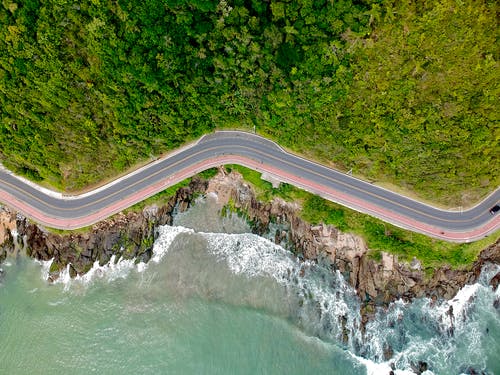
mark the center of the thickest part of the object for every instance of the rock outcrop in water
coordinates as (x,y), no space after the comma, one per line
(131,235)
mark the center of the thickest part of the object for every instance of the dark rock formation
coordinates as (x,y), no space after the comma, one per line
(128,235)
(131,235)
(495,281)
(469,370)
(376,282)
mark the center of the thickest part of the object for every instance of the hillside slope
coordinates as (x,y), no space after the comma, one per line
(399,93)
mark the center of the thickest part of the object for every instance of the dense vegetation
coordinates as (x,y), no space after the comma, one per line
(399,91)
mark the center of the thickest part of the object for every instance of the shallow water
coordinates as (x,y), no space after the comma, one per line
(217,300)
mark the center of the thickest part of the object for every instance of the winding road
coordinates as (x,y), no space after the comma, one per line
(232,147)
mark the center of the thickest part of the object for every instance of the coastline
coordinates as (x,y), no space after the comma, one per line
(379,278)
(265,157)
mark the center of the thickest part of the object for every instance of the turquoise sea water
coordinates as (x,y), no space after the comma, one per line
(217,300)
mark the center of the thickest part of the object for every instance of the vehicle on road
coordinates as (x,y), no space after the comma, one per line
(494,209)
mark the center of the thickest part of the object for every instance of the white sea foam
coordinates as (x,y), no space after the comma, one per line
(251,255)
(378,331)
(115,268)
(141,267)
(254,256)
(326,298)
(443,333)
(451,315)
(108,272)
(373,368)
(45,264)
(166,235)
(462,300)
(329,298)
(64,277)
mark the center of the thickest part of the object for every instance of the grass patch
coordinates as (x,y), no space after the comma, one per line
(381,236)
(208,173)
(64,232)
(317,210)
(160,198)
(264,190)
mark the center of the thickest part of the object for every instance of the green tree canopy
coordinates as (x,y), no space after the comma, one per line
(400,91)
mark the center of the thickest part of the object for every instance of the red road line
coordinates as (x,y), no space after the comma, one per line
(331,194)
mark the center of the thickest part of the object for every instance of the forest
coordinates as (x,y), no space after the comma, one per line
(404,92)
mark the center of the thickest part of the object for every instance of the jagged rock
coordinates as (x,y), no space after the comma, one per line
(469,370)
(496,304)
(375,282)
(495,281)
(367,314)
(415,264)
(127,235)
(345,331)
(388,352)
(131,235)
(422,366)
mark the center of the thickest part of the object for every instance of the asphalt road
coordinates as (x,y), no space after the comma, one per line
(257,153)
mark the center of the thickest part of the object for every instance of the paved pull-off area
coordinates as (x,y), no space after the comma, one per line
(232,147)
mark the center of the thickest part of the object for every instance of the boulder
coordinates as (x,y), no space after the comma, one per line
(495,281)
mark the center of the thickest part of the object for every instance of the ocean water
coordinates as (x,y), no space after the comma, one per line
(218,300)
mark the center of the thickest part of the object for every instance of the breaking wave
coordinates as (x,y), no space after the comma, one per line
(449,336)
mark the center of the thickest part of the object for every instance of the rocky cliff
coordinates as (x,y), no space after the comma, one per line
(377,282)
(128,235)
(131,235)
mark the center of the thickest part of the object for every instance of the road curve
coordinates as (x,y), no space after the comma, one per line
(231,147)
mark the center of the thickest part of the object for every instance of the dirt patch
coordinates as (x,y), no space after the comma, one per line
(7,222)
